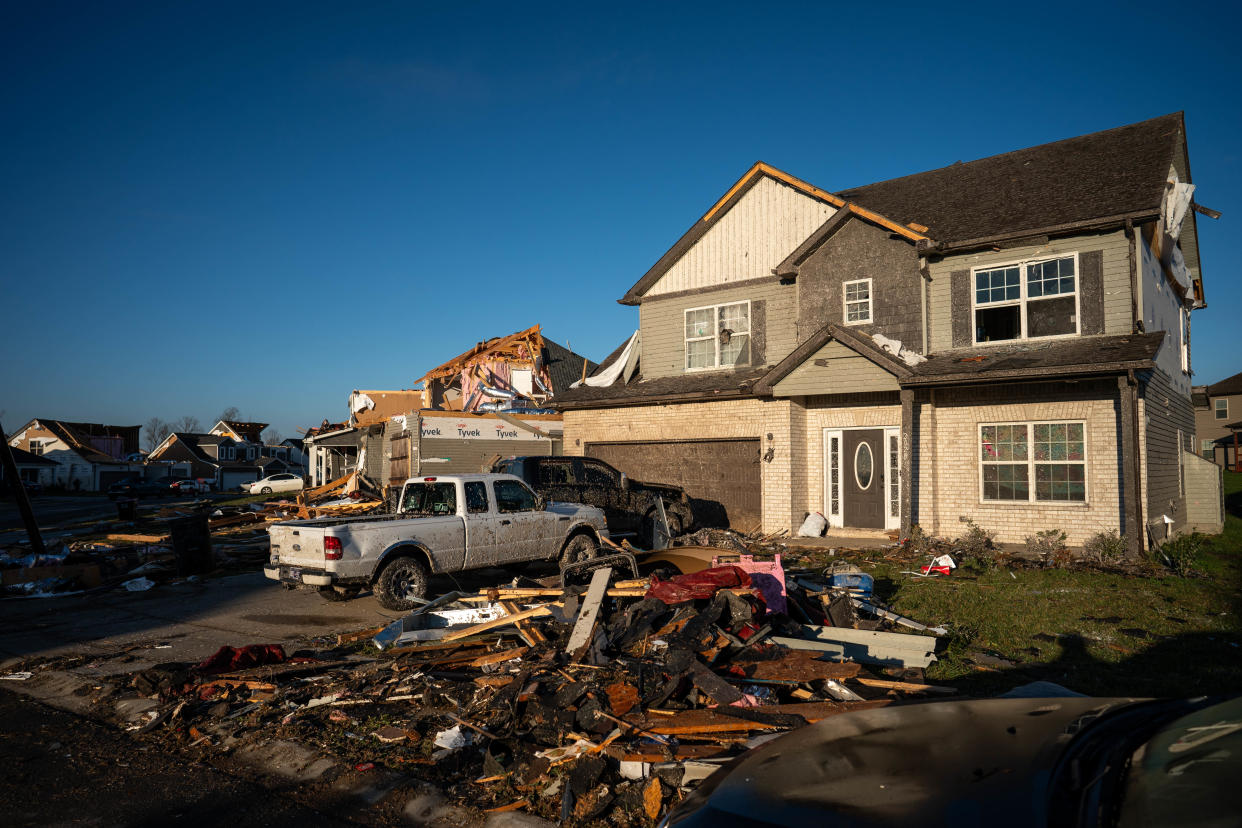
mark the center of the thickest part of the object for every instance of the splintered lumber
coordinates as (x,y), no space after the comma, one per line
(138,538)
(588,615)
(515,593)
(497,658)
(905,686)
(656,753)
(307,496)
(528,631)
(504,621)
(350,638)
(692,722)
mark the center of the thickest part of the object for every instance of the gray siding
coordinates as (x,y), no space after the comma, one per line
(664,327)
(1165,411)
(835,368)
(859,250)
(1114,279)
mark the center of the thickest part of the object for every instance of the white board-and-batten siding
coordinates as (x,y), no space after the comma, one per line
(748,241)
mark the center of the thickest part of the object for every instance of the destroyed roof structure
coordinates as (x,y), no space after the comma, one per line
(970,341)
(242,432)
(520,371)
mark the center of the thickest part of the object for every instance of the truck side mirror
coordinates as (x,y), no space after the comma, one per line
(625,481)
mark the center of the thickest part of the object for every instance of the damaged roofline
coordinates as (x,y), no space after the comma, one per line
(1033,375)
(630,402)
(939,249)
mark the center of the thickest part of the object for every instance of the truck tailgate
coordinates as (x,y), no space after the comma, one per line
(297,545)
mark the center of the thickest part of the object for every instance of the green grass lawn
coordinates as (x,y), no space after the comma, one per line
(1099,633)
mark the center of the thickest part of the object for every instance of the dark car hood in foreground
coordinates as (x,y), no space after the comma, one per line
(964,763)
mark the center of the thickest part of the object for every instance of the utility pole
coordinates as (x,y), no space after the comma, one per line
(19,491)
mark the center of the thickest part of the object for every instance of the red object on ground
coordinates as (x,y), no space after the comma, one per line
(698,585)
(364,766)
(228,659)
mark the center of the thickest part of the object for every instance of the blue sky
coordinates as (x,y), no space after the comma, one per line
(267,205)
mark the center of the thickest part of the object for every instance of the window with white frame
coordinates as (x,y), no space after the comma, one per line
(718,336)
(1222,409)
(1208,449)
(1026,300)
(857,298)
(1033,461)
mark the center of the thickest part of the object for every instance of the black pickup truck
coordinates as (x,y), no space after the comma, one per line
(629,505)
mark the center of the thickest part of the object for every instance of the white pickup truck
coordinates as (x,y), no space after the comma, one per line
(447,523)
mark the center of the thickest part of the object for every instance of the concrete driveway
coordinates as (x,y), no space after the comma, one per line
(185,621)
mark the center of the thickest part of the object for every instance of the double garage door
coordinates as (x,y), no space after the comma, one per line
(721,476)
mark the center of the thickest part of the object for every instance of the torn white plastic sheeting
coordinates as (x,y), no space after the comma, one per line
(138,584)
(560,754)
(24,675)
(610,374)
(359,402)
(1177,198)
(1177,266)
(897,349)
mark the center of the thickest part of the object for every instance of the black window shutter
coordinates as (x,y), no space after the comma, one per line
(963,323)
(1091,296)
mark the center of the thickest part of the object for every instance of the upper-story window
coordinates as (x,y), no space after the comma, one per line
(1026,300)
(36,447)
(718,336)
(857,298)
(1222,409)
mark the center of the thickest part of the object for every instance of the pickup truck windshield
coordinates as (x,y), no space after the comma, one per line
(430,499)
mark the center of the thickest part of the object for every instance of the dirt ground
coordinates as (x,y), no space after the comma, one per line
(63,769)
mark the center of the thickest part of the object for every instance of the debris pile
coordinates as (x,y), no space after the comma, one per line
(573,702)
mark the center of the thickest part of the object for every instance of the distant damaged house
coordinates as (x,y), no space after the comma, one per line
(489,401)
(1005,341)
(89,457)
(518,372)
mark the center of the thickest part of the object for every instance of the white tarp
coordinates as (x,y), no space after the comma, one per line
(360,402)
(1177,199)
(897,349)
(612,372)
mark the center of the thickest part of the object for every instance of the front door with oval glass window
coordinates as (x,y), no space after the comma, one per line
(863,461)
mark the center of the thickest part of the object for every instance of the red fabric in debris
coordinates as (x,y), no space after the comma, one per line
(228,659)
(697,585)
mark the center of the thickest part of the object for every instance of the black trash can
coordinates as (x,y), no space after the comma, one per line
(127,508)
(191,543)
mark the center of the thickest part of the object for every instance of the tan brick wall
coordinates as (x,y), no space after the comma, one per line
(751,418)
(949,488)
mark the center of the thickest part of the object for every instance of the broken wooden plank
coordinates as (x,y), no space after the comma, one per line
(795,667)
(502,656)
(350,638)
(534,612)
(584,628)
(529,633)
(134,537)
(905,686)
(709,721)
(713,685)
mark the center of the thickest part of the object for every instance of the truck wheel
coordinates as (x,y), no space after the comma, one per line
(580,548)
(338,593)
(400,583)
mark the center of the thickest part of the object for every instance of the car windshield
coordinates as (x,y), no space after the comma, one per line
(1187,772)
(430,499)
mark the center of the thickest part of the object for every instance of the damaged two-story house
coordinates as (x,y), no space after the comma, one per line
(1005,341)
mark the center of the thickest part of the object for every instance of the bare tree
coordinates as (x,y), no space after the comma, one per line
(187,424)
(231,414)
(154,432)
(272,436)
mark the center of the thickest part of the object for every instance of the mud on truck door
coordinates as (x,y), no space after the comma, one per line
(523,531)
(483,538)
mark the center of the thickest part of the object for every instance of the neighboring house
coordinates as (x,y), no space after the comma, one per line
(1004,341)
(222,459)
(1218,419)
(240,432)
(31,468)
(89,457)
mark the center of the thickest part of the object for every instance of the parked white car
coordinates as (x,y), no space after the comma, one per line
(277,483)
(192,486)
